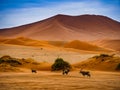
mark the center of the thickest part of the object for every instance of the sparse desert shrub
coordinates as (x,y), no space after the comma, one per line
(5,57)
(96,57)
(104,55)
(118,67)
(9,60)
(8,63)
(60,64)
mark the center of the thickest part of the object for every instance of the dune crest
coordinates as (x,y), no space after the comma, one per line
(65,27)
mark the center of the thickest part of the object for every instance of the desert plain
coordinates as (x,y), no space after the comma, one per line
(90,42)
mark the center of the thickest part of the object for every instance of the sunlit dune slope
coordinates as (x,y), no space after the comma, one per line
(82,46)
(101,62)
(65,27)
(76,44)
(25,41)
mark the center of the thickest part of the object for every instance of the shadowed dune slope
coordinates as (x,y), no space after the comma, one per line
(65,27)
(112,44)
(58,43)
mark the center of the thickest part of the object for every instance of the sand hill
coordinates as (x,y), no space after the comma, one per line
(112,44)
(65,27)
(25,42)
(76,44)
(102,62)
(83,46)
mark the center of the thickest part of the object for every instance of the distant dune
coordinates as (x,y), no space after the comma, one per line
(25,42)
(83,46)
(76,44)
(58,43)
(111,44)
(65,27)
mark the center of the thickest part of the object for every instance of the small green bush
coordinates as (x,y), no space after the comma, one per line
(60,64)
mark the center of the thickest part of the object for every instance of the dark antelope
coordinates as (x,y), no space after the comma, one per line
(85,73)
(33,71)
(66,71)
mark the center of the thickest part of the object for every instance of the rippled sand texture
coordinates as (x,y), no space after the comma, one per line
(56,81)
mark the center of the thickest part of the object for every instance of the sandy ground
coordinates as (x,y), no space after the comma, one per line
(44,55)
(46,80)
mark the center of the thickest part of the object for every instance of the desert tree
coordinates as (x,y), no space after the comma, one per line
(60,64)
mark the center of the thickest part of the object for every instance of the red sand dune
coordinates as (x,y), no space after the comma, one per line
(76,44)
(25,42)
(82,46)
(64,27)
(111,44)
